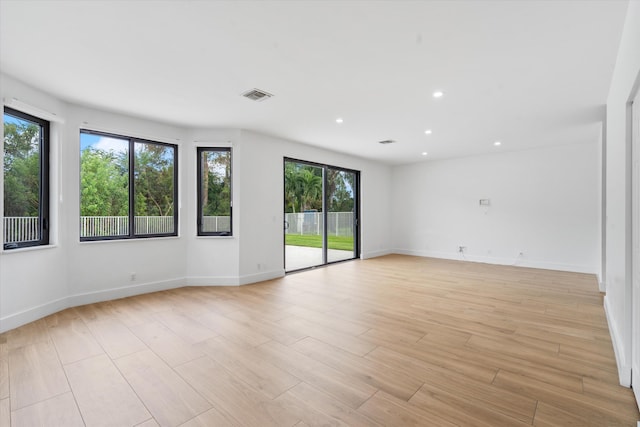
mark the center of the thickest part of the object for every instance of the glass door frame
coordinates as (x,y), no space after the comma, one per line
(325,205)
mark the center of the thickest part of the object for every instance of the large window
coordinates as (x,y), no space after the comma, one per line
(26,180)
(128,187)
(214,191)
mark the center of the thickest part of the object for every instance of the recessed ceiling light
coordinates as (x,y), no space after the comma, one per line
(428,132)
(438,94)
(497,143)
(424,153)
(339,120)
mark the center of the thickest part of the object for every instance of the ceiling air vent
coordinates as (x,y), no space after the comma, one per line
(257,95)
(387,141)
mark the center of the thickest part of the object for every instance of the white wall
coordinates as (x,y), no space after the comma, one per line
(624,85)
(544,203)
(102,270)
(211,260)
(35,282)
(261,185)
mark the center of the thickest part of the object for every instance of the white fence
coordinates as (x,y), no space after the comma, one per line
(20,229)
(338,223)
(212,224)
(97,226)
(25,229)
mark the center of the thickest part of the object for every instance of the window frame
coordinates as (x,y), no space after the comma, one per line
(44,223)
(199,219)
(132,190)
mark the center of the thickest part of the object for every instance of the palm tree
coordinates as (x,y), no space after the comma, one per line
(291,185)
(311,189)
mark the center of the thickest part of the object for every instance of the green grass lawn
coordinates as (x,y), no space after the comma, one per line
(334,242)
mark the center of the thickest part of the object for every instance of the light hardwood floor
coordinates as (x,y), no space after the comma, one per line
(396,341)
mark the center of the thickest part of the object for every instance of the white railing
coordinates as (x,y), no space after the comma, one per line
(153,224)
(97,226)
(20,229)
(25,229)
(211,224)
(338,223)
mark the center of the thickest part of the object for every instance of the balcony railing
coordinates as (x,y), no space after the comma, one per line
(26,229)
(20,229)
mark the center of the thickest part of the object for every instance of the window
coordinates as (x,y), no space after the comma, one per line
(214,191)
(26,180)
(128,187)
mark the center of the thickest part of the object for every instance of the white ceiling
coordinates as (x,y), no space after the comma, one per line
(526,73)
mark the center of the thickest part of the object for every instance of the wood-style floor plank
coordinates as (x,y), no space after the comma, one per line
(4,379)
(72,337)
(35,374)
(229,394)
(391,411)
(98,388)
(334,382)
(247,365)
(316,408)
(395,340)
(370,372)
(170,399)
(116,339)
(165,343)
(58,411)
(5,412)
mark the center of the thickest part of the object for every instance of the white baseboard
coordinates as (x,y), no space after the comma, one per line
(212,281)
(624,369)
(602,285)
(23,317)
(233,280)
(517,262)
(124,291)
(375,254)
(260,277)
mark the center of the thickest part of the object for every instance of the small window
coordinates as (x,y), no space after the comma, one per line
(128,187)
(26,180)
(214,191)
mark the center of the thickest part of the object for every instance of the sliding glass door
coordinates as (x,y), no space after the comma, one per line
(321,214)
(341,214)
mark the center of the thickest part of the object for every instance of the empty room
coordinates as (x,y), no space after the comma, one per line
(301,213)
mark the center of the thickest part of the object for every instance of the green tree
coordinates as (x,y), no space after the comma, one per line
(292,186)
(104,183)
(21,169)
(311,197)
(341,186)
(216,189)
(302,187)
(154,182)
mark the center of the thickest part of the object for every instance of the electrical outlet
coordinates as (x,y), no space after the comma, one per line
(461,249)
(133,276)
